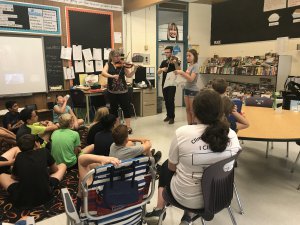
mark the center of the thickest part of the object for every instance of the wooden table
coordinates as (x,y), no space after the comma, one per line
(137,100)
(267,124)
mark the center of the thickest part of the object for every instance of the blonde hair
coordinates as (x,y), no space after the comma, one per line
(102,111)
(65,120)
(113,53)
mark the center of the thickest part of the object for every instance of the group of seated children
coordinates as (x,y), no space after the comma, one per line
(45,150)
(31,182)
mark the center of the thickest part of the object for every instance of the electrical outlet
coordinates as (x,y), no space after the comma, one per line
(146,59)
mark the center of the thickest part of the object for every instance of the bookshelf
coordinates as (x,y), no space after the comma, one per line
(267,72)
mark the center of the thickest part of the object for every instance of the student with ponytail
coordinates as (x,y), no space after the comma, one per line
(194,148)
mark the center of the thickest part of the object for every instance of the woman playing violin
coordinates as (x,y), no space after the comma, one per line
(117,86)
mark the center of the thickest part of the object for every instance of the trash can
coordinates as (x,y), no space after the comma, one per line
(159,104)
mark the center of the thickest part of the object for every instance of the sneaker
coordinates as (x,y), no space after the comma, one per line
(129,130)
(171,121)
(166,119)
(153,217)
(186,220)
(157,156)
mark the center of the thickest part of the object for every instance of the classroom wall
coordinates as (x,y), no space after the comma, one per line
(140,31)
(41,99)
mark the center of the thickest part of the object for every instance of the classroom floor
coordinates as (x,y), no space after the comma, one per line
(267,188)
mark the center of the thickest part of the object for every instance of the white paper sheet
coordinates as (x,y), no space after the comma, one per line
(97,53)
(70,73)
(79,68)
(293,3)
(77,52)
(118,37)
(87,54)
(99,65)
(106,53)
(173,80)
(89,66)
(65,53)
(65,73)
(270,5)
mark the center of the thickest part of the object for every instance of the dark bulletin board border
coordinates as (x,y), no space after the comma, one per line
(89,28)
(239,21)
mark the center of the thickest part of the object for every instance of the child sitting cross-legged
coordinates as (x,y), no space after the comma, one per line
(124,148)
(66,142)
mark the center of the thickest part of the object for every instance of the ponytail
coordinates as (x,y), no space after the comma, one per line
(216,135)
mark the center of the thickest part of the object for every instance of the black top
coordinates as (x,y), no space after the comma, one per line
(92,132)
(11,118)
(103,141)
(31,170)
(116,86)
(22,130)
(170,66)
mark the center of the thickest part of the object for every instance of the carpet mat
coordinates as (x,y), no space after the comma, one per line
(10,214)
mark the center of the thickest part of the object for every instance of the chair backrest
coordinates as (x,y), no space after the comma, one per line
(32,106)
(97,210)
(217,186)
(259,102)
(78,98)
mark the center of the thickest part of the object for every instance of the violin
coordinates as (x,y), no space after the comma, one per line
(124,64)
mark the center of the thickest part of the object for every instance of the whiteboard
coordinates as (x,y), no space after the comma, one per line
(22,65)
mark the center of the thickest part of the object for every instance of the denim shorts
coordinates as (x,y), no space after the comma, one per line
(189,93)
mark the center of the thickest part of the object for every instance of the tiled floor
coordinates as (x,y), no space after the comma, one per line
(266,186)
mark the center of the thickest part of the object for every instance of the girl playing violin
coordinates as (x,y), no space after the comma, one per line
(190,89)
(117,86)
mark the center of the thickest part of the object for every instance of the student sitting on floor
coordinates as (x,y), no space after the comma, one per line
(7,159)
(61,108)
(96,126)
(31,125)
(123,147)
(103,138)
(11,119)
(30,184)
(65,142)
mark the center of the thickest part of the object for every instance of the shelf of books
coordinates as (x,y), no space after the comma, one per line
(267,72)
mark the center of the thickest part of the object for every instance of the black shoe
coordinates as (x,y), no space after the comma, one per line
(171,121)
(157,156)
(186,220)
(152,151)
(153,217)
(166,119)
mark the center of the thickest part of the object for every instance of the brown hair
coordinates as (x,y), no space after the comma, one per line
(65,120)
(113,53)
(102,111)
(119,134)
(194,53)
(228,105)
(208,108)
(219,85)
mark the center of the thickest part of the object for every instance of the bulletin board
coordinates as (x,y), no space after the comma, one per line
(89,28)
(239,21)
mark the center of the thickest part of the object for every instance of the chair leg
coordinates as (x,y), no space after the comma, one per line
(272,144)
(203,221)
(298,187)
(231,216)
(238,199)
(287,149)
(293,167)
(133,110)
(161,217)
(267,150)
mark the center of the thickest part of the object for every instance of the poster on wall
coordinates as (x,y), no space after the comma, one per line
(170,26)
(293,3)
(29,18)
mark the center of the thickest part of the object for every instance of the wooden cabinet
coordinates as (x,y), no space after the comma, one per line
(149,102)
